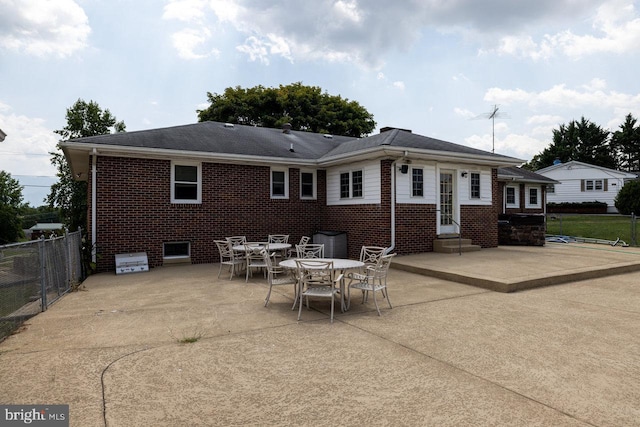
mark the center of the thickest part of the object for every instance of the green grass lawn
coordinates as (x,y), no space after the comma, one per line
(606,227)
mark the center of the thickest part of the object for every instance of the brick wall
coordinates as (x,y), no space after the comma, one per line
(135,213)
(365,224)
(480,223)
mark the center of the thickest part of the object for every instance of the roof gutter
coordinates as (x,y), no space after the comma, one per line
(422,154)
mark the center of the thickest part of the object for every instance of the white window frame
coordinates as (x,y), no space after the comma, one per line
(286,183)
(412,183)
(516,196)
(479,196)
(527,202)
(174,182)
(315,184)
(350,174)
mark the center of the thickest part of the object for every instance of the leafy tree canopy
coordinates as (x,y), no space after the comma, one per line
(581,141)
(10,209)
(626,142)
(306,108)
(70,196)
(628,199)
(587,142)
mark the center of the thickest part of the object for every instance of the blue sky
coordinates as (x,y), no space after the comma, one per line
(431,66)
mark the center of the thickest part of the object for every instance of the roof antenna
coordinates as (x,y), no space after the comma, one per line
(492,115)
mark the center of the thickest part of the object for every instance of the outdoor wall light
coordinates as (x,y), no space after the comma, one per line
(404,169)
(463,174)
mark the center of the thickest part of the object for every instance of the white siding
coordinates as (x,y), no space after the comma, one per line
(571,175)
(432,182)
(404,185)
(464,186)
(370,184)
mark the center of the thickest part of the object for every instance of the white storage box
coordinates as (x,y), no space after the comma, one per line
(132,263)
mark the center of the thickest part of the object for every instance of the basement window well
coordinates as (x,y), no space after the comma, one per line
(176,252)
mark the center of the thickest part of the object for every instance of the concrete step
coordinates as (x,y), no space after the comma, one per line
(450,246)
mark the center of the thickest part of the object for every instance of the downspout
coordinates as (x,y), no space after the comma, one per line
(94,199)
(393,208)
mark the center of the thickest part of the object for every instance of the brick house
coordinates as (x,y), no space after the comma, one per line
(170,192)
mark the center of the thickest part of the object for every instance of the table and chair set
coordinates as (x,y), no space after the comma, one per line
(304,267)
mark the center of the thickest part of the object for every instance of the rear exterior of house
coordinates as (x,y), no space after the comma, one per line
(396,189)
(581,182)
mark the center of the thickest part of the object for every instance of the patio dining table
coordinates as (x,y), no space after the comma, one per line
(271,246)
(339,264)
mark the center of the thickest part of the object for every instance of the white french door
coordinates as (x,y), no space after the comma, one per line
(447,212)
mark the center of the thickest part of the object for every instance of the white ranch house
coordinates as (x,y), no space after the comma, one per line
(581,182)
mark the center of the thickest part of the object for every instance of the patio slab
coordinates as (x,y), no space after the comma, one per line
(447,354)
(515,268)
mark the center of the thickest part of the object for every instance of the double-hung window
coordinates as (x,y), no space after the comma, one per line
(511,195)
(417,182)
(279,183)
(593,185)
(533,197)
(474,185)
(186,182)
(351,184)
(307,185)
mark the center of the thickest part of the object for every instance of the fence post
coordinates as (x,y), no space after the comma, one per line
(43,274)
(67,254)
(633,230)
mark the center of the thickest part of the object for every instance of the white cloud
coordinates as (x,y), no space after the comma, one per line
(185,10)
(43,28)
(188,41)
(616,29)
(348,11)
(515,145)
(399,85)
(463,112)
(25,150)
(593,94)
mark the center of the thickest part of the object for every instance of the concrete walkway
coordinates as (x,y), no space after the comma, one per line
(447,354)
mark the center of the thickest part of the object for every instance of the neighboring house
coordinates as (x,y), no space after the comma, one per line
(44,229)
(581,182)
(170,192)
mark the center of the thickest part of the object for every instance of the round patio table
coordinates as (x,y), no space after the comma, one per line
(340,264)
(272,246)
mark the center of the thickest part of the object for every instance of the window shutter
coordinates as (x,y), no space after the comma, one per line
(582,185)
(605,185)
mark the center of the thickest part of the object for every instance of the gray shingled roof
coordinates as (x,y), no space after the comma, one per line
(518,174)
(215,137)
(406,139)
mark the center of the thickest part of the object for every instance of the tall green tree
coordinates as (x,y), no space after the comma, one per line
(627,143)
(70,196)
(582,141)
(306,108)
(10,209)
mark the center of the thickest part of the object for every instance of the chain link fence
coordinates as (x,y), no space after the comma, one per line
(33,275)
(597,228)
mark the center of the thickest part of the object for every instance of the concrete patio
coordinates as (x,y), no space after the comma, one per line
(447,354)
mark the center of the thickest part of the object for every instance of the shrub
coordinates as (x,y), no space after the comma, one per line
(575,207)
(628,199)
